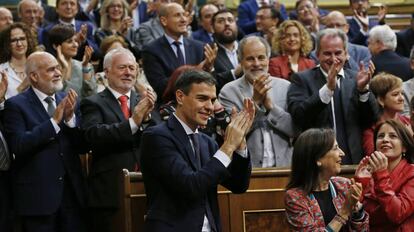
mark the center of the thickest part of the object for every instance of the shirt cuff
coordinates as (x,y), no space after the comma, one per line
(325,94)
(72,122)
(133,125)
(223,158)
(364,97)
(242,153)
(55,125)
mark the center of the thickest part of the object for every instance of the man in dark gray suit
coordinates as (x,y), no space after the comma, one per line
(334,96)
(270,139)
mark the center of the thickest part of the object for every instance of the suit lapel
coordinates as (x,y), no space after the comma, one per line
(112,103)
(223,58)
(36,104)
(346,92)
(188,48)
(179,134)
(170,54)
(204,151)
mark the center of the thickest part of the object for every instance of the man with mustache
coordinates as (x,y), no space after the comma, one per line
(113,121)
(271,136)
(40,125)
(334,96)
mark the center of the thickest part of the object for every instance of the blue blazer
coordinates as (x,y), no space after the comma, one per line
(43,159)
(405,41)
(201,35)
(354,34)
(246,13)
(390,62)
(176,189)
(44,39)
(160,61)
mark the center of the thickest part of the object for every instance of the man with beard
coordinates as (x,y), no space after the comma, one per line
(334,96)
(360,23)
(270,138)
(113,121)
(40,126)
(226,65)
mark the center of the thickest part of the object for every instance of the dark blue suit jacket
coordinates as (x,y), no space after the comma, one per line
(160,61)
(142,12)
(354,34)
(390,62)
(90,39)
(176,189)
(246,13)
(43,159)
(201,35)
(405,41)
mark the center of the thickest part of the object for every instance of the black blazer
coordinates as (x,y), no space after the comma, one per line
(43,159)
(160,61)
(308,111)
(112,144)
(390,62)
(222,69)
(176,189)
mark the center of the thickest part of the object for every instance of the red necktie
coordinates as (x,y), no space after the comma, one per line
(124,105)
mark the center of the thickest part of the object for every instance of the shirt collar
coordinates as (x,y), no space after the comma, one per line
(187,129)
(340,73)
(171,40)
(236,46)
(42,95)
(117,94)
(71,23)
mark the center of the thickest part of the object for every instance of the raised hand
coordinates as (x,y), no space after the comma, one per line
(260,88)
(87,55)
(210,54)
(364,169)
(82,34)
(333,74)
(364,76)
(3,85)
(70,104)
(382,12)
(144,107)
(363,19)
(126,23)
(378,161)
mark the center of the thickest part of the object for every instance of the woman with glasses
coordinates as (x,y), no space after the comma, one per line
(17,44)
(76,75)
(293,44)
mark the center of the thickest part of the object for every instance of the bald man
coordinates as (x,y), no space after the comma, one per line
(6,18)
(40,126)
(28,12)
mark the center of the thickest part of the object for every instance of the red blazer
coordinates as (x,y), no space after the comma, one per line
(303,212)
(389,199)
(368,135)
(279,66)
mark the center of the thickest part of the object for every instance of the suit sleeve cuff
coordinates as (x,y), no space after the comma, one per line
(55,126)
(223,158)
(325,94)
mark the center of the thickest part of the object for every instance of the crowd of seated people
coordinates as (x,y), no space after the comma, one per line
(102,77)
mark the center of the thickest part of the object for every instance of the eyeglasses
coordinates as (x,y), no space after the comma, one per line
(19,39)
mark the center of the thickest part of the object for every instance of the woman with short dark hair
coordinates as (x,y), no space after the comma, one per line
(76,75)
(316,198)
(387,176)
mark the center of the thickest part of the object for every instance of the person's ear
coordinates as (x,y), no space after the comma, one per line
(179,95)
(380,101)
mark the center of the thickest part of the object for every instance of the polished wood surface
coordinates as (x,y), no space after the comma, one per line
(261,208)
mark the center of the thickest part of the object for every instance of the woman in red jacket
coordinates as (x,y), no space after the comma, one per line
(293,44)
(388,179)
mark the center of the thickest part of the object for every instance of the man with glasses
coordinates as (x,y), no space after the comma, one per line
(361,23)
(113,121)
(267,21)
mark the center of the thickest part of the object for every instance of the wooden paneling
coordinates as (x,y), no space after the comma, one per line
(261,208)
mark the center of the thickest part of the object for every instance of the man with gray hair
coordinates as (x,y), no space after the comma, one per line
(6,18)
(270,138)
(40,126)
(333,96)
(382,42)
(113,121)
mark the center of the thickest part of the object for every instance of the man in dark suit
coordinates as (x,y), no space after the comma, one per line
(182,167)
(40,125)
(333,96)
(67,10)
(162,56)
(226,65)
(205,32)
(361,23)
(113,121)
(247,10)
(357,53)
(382,43)
(405,40)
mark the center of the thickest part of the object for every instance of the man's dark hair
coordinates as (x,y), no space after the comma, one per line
(274,13)
(213,19)
(190,77)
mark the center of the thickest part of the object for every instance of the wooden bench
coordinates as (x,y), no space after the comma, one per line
(261,208)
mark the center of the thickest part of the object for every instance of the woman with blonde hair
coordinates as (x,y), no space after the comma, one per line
(293,44)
